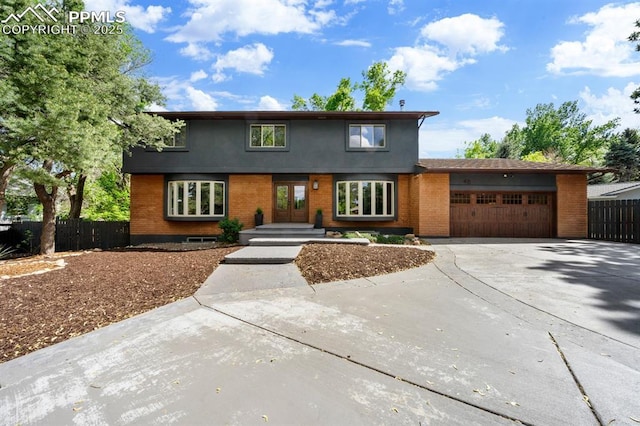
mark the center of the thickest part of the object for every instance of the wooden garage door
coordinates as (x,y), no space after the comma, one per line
(498,214)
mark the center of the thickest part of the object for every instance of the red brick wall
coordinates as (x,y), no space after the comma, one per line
(572,206)
(323,198)
(147,211)
(246,194)
(429,204)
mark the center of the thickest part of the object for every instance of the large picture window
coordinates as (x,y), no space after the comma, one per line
(268,136)
(195,199)
(367,136)
(365,198)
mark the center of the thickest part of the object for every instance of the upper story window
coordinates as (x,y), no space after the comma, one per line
(268,136)
(179,140)
(367,136)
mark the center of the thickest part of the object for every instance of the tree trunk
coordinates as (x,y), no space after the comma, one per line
(5,173)
(76,196)
(48,200)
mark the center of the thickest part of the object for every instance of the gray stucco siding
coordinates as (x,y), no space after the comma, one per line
(313,146)
(502,182)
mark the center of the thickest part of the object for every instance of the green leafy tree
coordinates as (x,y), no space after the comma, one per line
(485,147)
(68,101)
(566,134)
(624,156)
(108,197)
(379,87)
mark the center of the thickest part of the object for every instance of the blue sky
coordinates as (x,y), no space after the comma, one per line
(482,64)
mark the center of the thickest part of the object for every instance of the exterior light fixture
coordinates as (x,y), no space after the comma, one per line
(315,185)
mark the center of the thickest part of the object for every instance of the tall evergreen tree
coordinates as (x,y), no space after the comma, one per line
(68,101)
(624,156)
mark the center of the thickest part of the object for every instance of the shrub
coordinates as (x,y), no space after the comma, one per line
(230,230)
(390,239)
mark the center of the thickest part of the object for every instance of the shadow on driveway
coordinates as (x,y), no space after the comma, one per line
(611,268)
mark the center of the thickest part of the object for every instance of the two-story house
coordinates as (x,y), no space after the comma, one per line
(361,168)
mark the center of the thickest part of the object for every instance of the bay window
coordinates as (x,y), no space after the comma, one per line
(365,198)
(195,199)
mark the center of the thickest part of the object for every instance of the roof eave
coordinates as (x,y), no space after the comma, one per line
(293,115)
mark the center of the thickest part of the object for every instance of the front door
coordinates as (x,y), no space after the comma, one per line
(290,202)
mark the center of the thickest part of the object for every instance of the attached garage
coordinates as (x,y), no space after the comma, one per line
(502,214)
(511,198)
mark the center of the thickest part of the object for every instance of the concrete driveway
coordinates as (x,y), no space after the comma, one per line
(493,332)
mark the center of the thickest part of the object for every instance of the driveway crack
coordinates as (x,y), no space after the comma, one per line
(585,397)
(367,366)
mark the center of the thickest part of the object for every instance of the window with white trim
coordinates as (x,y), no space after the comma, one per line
(178,140)
(268,136)
(367,136)
(365,198)
(195,198)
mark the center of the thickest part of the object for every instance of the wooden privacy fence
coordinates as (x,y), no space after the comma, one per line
(76,234)
(615,220)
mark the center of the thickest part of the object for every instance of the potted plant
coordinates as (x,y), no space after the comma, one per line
(318,223)
(258,217)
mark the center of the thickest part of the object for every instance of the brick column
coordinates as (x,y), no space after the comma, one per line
(430,204)
(572,206)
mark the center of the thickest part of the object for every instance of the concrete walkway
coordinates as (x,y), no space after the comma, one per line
(452,342)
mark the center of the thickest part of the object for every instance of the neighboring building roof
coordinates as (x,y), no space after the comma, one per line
(610,190)
(296,115)
(499,165)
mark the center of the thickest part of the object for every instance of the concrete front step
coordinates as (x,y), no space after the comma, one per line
(253,255)
(299,241)
(281,230)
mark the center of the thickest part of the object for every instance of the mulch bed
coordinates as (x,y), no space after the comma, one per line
(321,263)
(76,293)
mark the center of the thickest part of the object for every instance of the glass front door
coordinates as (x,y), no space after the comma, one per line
(290,202)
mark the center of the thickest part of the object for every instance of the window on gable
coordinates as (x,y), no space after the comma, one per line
(268,136)
(367,136)
(195,199)
(365,198)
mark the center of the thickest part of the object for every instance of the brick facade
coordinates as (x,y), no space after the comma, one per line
(246,194)
(323,198)
(147,211)
(429,204)
(423,205)
(572,205)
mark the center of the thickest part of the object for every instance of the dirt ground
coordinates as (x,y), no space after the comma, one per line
(44,301)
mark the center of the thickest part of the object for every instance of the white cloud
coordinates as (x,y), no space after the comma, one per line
(183,96)
(454,33)
(198,75)
(210,20)
(395,6)
(155,108)
(267,103)
(448,139)
(196,51)
(251,59)
(615,103)
(357,43)
(200,100)
(426,63)
(605,50)
(139,17)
